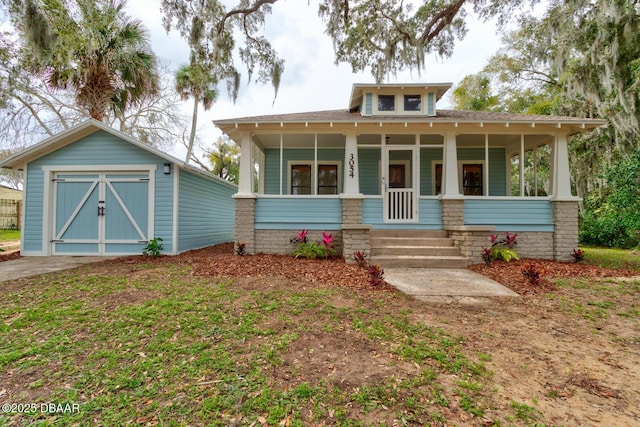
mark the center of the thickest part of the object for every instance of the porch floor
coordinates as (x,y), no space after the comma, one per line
(446,285)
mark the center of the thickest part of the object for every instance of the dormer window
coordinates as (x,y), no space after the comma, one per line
(412,103)
(386,103)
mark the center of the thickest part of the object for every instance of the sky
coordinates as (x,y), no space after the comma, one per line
(311,80)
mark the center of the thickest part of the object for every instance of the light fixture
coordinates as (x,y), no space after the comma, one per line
(167,168)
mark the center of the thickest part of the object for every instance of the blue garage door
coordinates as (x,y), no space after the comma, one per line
(102,213)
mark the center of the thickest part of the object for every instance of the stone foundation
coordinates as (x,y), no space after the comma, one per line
(471,240)
(278,241)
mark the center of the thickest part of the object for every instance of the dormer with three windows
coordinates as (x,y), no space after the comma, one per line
(416,99)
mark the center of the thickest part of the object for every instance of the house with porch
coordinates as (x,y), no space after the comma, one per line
(404,181)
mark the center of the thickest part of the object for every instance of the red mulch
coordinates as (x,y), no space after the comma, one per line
(220,261)
(510,273)
(9,256)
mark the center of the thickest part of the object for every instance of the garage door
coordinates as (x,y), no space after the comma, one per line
(101,213)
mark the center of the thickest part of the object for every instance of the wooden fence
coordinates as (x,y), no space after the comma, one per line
(10,214)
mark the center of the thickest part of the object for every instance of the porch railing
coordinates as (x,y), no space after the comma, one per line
(400,204)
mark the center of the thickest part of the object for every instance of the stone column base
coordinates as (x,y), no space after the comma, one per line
(245,223)
(452,212)
(355,237)
(565,237)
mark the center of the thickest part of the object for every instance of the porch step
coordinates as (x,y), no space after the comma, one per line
(409,261)
(415,249)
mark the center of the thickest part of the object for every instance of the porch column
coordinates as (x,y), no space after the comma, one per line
(564,204)
(452,203)
(451,188)
(351,176)
(561,185)
(355,235)
(245,175)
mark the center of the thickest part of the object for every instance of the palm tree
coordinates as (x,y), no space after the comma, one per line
(194,81)
(92,48)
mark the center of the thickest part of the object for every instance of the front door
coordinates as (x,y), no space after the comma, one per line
(100,213)
(399,183)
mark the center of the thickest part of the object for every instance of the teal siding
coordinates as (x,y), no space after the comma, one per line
(510,215)
(99,148)
(33,201)
(368,104)
(320,213)
(369,170)
(272,165)
(205,212)
(430,215)
(431,104)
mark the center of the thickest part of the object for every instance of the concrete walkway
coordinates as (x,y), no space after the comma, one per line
(444,285)
(32,266)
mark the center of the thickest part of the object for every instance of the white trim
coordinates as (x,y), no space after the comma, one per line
(22,209)
(176,205)
(300,196)
(99,168)
(151,203)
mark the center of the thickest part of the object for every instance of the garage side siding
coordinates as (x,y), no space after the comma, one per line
(205,212)
(99,148)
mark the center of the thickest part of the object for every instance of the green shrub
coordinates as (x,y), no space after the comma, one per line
(153,248)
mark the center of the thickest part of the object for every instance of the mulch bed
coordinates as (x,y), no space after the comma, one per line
(510,273)
(220,261)
(9,256)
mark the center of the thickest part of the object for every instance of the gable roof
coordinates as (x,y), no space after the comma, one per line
(86,128)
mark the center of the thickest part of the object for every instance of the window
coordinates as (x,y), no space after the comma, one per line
(327,179)
(438,179)
(301,179)
(472,179)
(412,103)
(386,103)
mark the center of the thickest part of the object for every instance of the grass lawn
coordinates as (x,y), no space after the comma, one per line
(152,344)
(613,258)
(9,235)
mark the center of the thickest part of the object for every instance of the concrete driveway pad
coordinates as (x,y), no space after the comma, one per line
(446,285)
(32,266)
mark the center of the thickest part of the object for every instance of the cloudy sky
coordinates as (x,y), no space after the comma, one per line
(311,80)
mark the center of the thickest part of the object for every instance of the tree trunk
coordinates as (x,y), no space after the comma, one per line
(194,123)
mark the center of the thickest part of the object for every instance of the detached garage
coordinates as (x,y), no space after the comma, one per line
(92,190)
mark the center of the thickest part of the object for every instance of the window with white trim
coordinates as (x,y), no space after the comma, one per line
(386,103)
(470,178)
(302,181)
(412,103)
